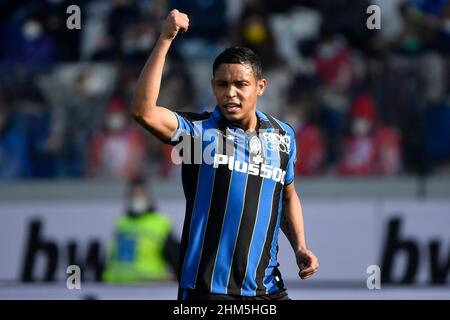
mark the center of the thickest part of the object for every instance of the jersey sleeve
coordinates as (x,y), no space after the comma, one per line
(292,157)
(186,126)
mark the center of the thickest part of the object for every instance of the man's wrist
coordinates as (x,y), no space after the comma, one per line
(301,249)
(165,41)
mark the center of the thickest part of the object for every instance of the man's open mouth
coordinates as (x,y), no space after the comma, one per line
(232,106)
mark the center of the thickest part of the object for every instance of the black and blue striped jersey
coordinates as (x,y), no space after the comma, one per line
(233,183)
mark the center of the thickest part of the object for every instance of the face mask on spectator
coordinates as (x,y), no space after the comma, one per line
(115,121)
(138,205)
(255,33)
(360,127)
(32,30)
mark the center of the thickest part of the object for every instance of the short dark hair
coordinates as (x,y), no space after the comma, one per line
(239,55)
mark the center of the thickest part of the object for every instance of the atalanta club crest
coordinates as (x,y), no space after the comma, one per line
(255,145)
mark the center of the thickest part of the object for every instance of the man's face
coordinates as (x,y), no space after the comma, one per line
(236,90)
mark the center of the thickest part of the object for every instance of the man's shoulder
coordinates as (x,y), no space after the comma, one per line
(287,128)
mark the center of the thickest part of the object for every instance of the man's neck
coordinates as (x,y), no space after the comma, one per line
(250,123)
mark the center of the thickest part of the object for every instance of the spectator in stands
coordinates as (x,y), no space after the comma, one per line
(254,32)
(208,18)
(13,151)
(311,148)
(371,148)
(33,118)
(123,14)
(144,247)
(333,62)
(30,45)
(54,16)
(118,151)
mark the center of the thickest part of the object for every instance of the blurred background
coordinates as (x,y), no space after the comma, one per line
(371,108)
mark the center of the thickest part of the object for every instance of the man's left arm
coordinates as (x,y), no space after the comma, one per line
(293,227)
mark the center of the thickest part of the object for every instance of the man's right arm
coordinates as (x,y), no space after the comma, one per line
(160,121)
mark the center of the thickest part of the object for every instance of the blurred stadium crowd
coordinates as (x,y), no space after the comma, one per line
(364,102)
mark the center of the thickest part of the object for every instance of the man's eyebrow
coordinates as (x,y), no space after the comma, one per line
(239,81)
(236,80)
(220,81)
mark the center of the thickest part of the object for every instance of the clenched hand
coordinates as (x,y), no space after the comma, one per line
(175,22)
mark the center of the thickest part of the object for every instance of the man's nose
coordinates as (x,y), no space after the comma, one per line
(230,92)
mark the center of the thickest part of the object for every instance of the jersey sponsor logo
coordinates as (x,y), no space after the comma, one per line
(264,170)
(277,142)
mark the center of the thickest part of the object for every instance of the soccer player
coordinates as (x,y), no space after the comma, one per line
(238,199)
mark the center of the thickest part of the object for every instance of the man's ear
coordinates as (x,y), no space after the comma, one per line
(262,84)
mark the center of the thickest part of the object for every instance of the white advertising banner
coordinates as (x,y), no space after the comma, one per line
(408,239)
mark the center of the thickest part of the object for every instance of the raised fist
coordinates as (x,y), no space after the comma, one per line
(174,23)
